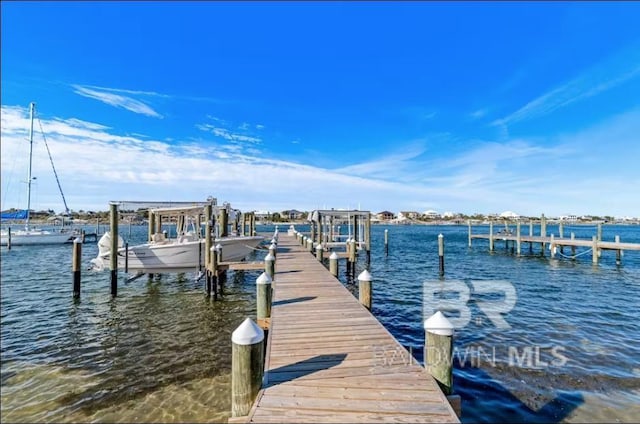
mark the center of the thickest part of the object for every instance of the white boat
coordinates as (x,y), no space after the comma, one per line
(29,235)
(184,253)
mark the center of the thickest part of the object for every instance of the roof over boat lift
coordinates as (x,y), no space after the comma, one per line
(338,213)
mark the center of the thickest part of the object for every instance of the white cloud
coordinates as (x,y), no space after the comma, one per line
(117,100)
(561,173)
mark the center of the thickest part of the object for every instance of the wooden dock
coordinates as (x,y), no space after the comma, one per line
(596,245)
(329,360)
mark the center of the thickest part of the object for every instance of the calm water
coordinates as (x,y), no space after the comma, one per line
(160,351)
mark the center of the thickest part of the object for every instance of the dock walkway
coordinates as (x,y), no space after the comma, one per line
(328,358)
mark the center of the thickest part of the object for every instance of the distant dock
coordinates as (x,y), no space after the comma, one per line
(555,245)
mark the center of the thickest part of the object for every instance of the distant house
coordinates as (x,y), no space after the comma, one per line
(292,214)
(509,215)
(385,216)
(431,214)
(408,215)
(262,215)
(569,218)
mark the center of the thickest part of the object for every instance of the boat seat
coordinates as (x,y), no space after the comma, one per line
(158,238)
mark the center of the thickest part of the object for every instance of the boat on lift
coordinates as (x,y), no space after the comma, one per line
(183,253)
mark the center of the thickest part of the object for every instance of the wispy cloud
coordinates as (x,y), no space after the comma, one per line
(109,97)
(227,134)
(477,114)
(609,73)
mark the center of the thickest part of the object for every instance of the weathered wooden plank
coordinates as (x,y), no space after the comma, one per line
(330,360)
(296,415)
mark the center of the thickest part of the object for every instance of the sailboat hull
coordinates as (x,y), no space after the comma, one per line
(35,237)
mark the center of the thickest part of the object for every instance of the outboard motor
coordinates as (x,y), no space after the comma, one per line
(104,249)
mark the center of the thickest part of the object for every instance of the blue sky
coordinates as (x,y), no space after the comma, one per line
(473,107)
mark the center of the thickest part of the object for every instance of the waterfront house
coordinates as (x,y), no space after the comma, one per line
(385,216)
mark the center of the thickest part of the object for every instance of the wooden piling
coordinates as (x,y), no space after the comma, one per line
(219,252)
(599,231)
(333,264)
(518,238)
(273,249)
(552,246)
(223,222)
(213,272)
(319,252)
(561,234)
(618,251)
(263,296)
(352,256)
(113,215)
(364,289)
(386,242)
(594,248)
(76,266)
(367,237)
(126,257)
(441,254)
(543,232)
(491,236)
(573,248)
(208,210)
(152,225)
(530,235)
(9,238)
(469,225)
(247,366)
(270,265)
(439,350)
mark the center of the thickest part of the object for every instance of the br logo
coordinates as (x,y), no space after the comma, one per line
(493,298)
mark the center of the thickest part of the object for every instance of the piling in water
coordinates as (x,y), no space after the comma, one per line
(263,296)
(113,215)
(364,289)
(333,264)
(441,253)
(439,350)
(76,267)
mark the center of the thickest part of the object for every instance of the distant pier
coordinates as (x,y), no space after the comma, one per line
(555,245)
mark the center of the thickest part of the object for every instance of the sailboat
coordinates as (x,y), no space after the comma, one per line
(30,235)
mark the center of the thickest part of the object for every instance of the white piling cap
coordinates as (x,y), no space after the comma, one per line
(291,226)
(272,246)
(218,246)
(318,246)
(438,324)
(269,257)
(334,255)
(263,279)
(77,240)
(247,333)
(364,276)
(274,241)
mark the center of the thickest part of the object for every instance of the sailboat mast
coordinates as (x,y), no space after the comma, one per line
(32,106)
